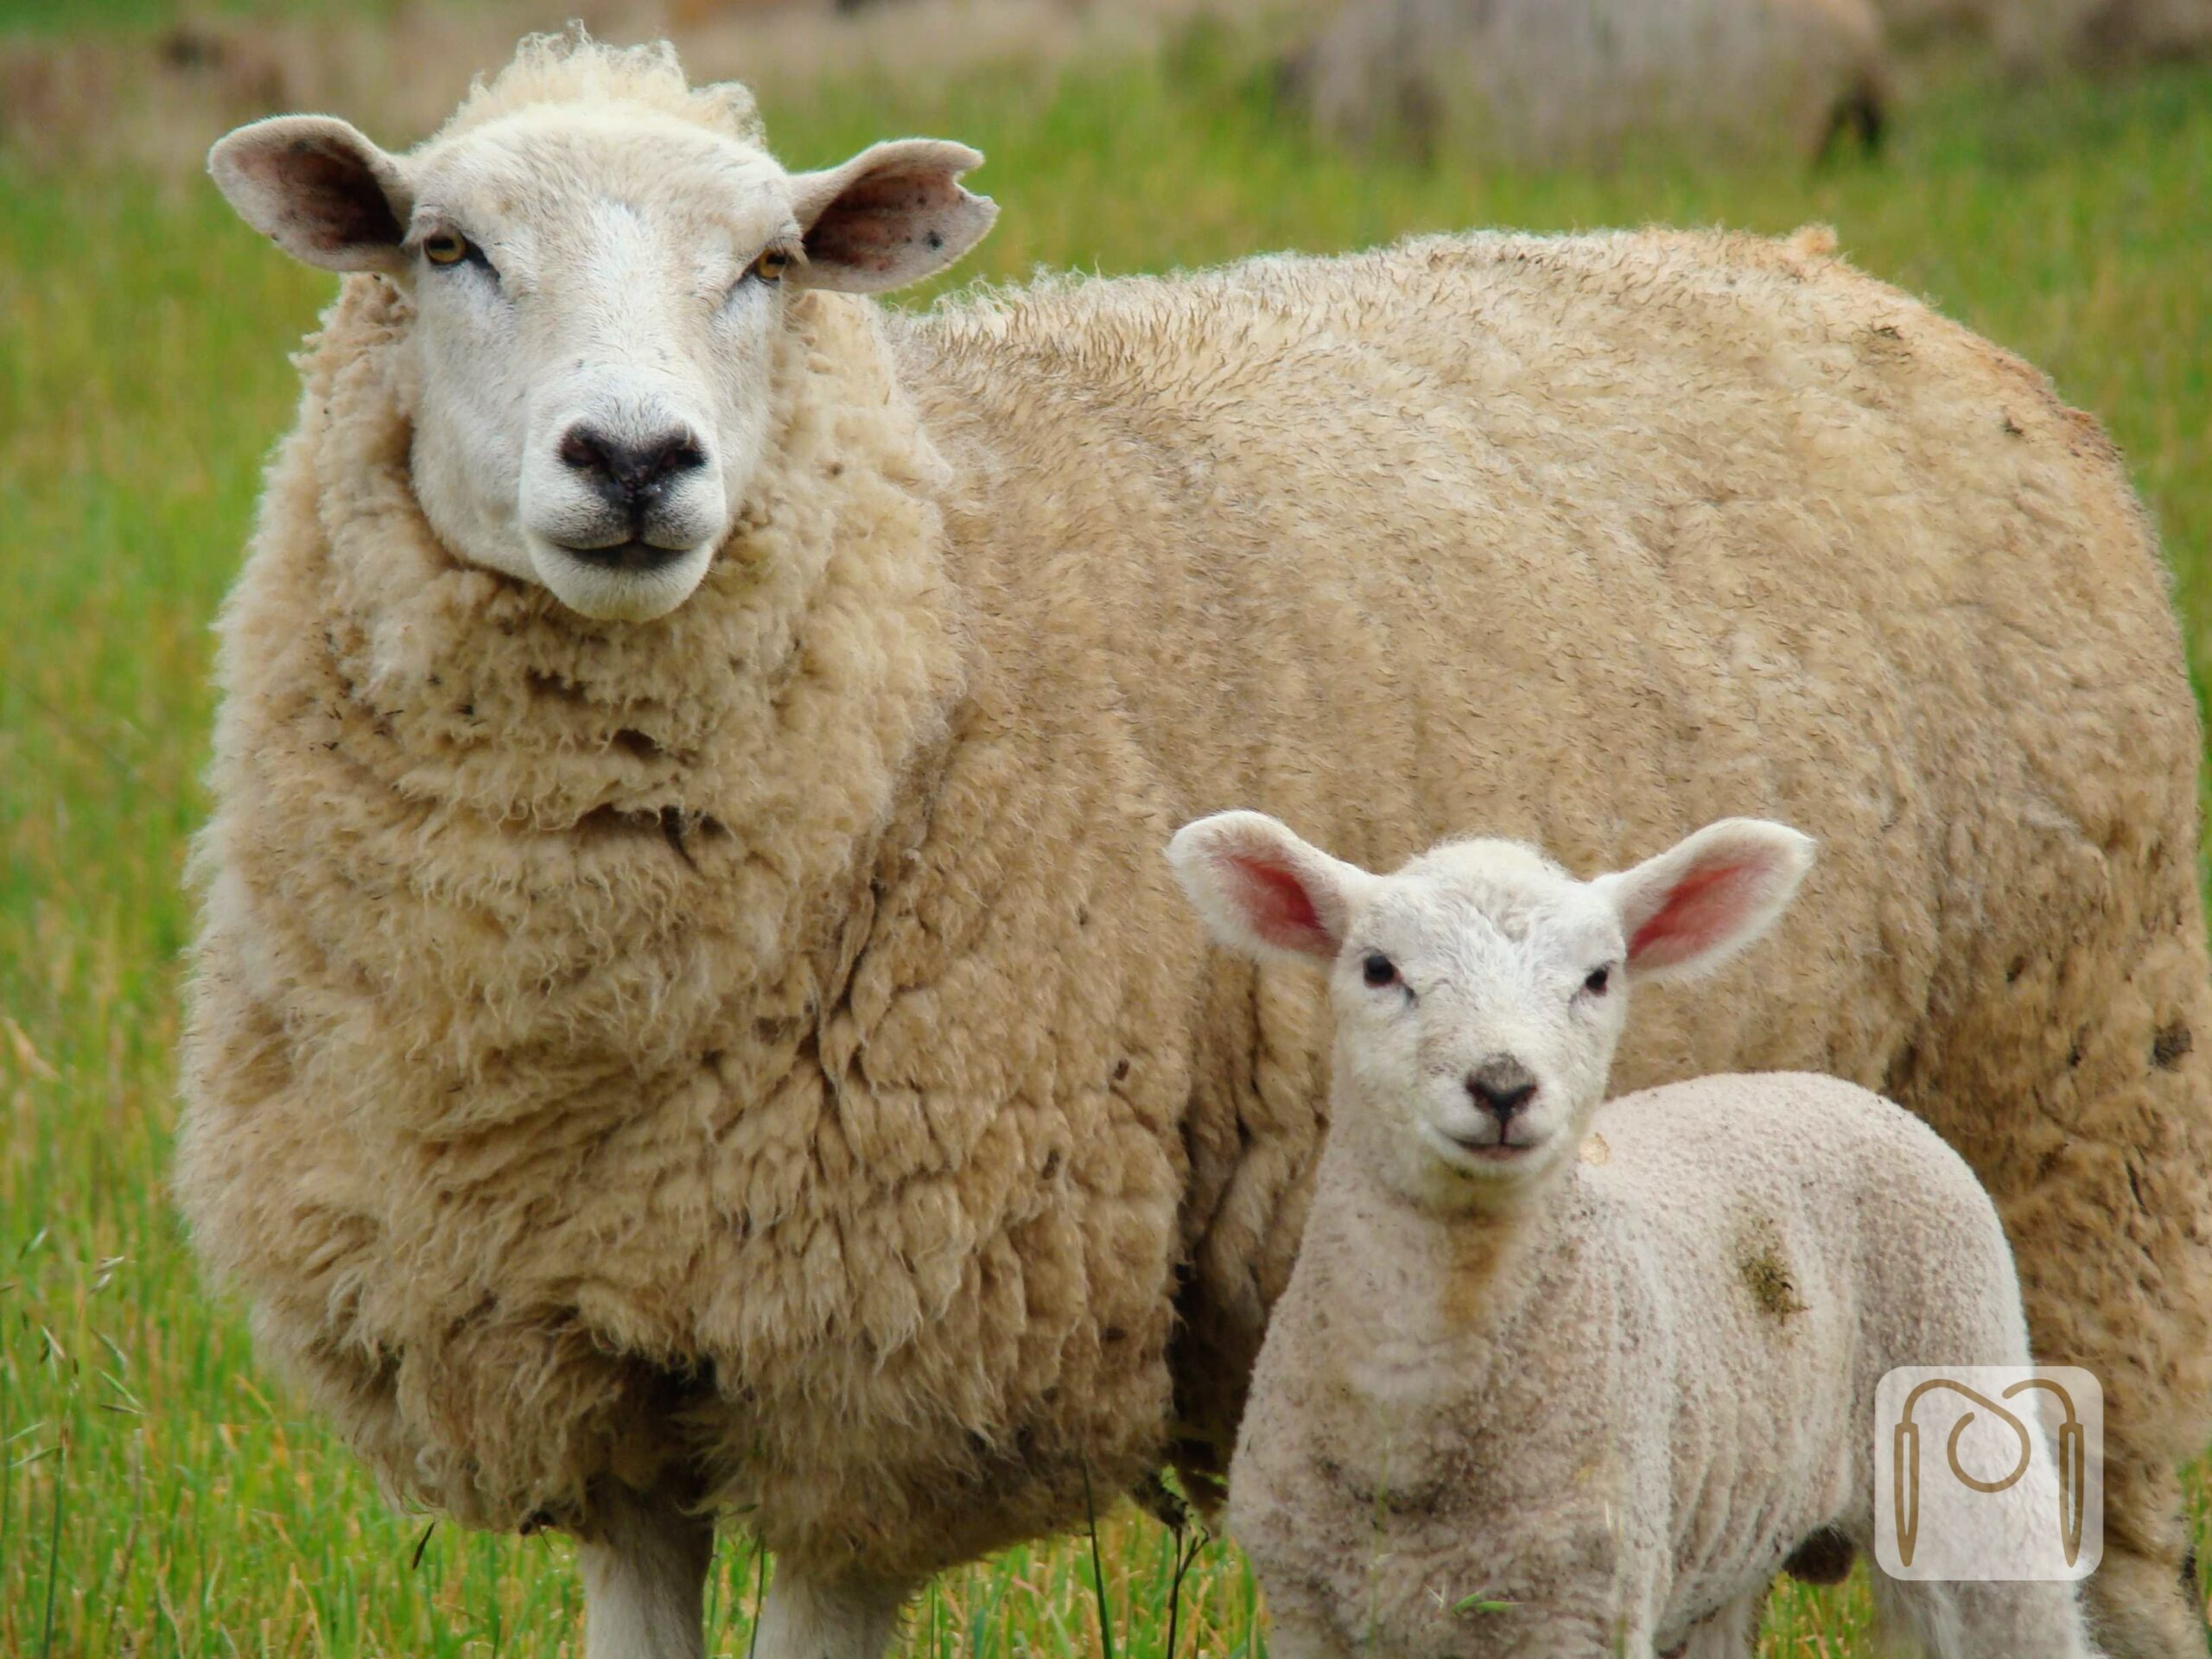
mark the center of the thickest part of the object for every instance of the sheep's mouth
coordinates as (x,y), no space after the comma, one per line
(1465,1152)
(632,580)
(1497,1152)
(634,554)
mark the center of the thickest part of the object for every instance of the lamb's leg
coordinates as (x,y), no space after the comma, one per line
(1729,1634)
(814,1618)
(1998,1620)
(644,1560)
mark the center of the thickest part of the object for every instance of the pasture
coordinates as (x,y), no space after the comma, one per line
(159,1494)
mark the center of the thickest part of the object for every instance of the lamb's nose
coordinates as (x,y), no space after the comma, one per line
(1501,1085)
(629,474)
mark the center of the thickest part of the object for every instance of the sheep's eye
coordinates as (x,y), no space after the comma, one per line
(1599,978)
(1378,970)
(446,248)
(771,265)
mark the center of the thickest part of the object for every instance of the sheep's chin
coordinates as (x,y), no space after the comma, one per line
(1453,1176)
(609,595)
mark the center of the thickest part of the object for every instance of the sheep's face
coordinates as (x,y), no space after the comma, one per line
(1478,995)
(598,290)
(1480,991)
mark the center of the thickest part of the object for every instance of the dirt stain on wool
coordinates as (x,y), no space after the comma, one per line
(1765,1270)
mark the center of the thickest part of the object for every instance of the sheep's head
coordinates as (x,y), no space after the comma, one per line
(599,261)
(1480,991)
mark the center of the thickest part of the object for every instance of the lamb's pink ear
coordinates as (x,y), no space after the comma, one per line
(1262,891)
(892,215)
(319,189)
(1707,897)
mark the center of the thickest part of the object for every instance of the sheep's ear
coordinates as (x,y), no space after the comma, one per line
(892,215)
(318,189)
(1707,897)
(1262,890)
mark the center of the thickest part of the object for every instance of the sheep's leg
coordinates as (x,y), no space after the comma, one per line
(849,1616)
(1300,1624)
(1729,1634)
(2142,1601)
(1996,1620)
(2098,1152)
(644,1560)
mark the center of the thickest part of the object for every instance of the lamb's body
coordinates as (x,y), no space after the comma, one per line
(759,1052)
(1619,1419)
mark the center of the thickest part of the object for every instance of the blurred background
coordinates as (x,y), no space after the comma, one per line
(2040,168)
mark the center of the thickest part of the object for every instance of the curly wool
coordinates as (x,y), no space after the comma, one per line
(574,69)
(550,869)
(767,1043)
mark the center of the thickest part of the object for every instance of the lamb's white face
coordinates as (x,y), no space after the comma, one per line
(597,292)
(1478,997)
(1480,991)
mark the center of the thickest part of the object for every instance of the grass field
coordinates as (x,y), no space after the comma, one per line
(158,1493)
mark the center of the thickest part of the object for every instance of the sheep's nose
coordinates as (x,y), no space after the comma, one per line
(1501,1085)
(627,473)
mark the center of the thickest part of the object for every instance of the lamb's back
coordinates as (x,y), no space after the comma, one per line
(1799,1200)
(1789,1239)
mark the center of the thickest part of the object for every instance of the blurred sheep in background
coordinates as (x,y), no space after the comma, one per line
(2040,36)
(1578,80)
(1549,82)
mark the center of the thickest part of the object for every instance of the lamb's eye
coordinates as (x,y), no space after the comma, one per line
(1599,978)
(446,248)
(771,265)
(1379,970)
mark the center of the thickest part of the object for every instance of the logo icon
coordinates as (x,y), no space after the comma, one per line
(1988,1471)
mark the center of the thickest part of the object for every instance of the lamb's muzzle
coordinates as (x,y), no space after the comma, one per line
(1502,1086)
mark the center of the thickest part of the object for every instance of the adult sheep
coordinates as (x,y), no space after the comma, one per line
(689,1012)
(2033,37)
(1562,79)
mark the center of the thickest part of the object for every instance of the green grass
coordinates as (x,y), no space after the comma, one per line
(121,16)
(157,1493)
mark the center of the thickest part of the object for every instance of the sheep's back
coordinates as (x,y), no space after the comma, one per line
(1587,541)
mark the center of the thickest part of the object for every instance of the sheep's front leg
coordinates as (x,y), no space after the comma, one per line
(1732,1633)
(645,1563)
(1301,1625)
(849,1616)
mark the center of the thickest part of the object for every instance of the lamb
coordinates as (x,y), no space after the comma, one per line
(688,1015)
(1517,1401)
(1555,80)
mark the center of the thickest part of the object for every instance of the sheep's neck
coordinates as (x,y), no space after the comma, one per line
(635,812)
(1403,1275)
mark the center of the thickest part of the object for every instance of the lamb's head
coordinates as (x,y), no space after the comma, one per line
(599,260)
(1480,990)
